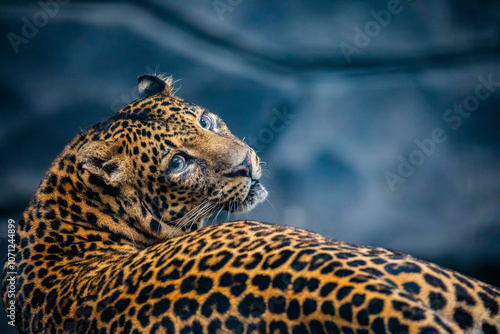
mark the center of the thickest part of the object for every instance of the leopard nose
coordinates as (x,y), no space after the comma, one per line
(244,169)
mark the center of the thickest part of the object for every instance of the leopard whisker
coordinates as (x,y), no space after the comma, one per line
(193,215)
(159,225)
(268,201)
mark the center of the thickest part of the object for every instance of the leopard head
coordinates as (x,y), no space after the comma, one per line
(161,166)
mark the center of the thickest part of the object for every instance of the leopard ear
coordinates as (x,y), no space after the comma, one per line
(101,158)
(150,85)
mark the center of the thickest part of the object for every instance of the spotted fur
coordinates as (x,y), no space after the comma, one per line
(103,246)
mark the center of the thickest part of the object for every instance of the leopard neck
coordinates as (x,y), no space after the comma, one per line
(84,210)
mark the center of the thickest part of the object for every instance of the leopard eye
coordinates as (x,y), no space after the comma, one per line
(177,164)
(206,122)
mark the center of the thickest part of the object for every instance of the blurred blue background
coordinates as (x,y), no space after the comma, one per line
(336,97)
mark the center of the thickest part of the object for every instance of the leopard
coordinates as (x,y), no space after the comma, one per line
(113,241)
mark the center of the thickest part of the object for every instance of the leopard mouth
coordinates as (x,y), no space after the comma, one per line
(256,192)
(256,195)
